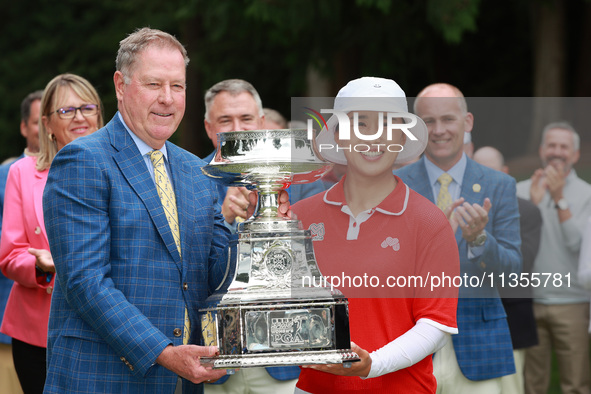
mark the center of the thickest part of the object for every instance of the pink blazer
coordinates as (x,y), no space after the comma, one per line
(27,310)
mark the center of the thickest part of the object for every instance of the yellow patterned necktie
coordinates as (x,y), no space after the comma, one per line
(444,198)
(168,199)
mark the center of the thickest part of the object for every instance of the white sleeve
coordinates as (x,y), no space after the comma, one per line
(408,349)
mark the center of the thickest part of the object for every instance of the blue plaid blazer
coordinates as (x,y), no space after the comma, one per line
(483,345)
(121,286)
(279,373)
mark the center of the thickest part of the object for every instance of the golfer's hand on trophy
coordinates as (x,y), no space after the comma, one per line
(358,368)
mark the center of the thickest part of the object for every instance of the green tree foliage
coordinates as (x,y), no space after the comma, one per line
(482,47)
(453,17)
(40,39)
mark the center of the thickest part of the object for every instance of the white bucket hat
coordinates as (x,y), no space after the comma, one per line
(372,94)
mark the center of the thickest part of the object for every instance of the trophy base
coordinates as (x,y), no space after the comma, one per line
(279,359)
(266,316)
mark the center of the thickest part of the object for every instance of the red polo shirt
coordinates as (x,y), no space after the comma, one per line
(385,260)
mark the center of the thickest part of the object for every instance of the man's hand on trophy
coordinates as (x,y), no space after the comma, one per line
(185,361)
(236,204)
(358,368)
(284,209)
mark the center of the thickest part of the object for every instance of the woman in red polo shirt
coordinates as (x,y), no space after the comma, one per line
(389,241)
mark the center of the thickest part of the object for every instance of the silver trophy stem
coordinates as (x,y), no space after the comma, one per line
(268,206)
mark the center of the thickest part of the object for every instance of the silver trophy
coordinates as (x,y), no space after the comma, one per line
(272,308)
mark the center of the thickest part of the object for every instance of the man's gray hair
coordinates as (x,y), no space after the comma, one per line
(234,87)
(139,40)
(563,125)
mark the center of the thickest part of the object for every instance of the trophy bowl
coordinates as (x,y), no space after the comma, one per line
(273,307)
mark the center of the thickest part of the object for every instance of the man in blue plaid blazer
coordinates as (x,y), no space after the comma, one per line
(486,212)
(118,310)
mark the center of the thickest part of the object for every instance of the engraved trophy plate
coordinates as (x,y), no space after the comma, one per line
(262,315)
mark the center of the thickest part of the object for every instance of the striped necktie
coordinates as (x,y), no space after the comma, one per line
(168,199)
(444,198)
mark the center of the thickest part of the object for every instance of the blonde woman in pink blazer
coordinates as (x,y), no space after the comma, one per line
(70,108)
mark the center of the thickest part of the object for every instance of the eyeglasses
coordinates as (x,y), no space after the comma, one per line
(70,112)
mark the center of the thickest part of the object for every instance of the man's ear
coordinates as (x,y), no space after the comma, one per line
(576,157)
(119,82)
(211,132)
(23,129)
(261,124)
(469,122)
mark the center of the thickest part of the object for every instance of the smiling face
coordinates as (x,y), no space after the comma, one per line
(153,103)
(446,122)
(373,158)
(230,112)
(558,150)
(67,130)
